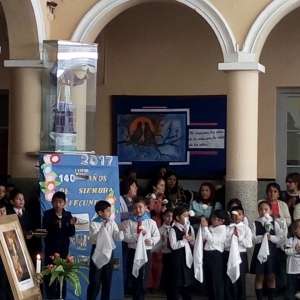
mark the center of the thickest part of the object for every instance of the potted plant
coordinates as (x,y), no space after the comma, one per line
(65,269)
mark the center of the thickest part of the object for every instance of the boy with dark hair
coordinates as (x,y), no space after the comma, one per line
(8,188)
(60,226)
(141,234)
(18,207)
(5,290)
(102,232)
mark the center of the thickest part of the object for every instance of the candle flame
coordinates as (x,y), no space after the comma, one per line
(38,256)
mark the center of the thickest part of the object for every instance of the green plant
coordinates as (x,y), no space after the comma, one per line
(66,268)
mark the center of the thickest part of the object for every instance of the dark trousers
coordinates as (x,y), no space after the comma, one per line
(214,276)
(126,271)
(5,290)
(100,279)
(241,282)
(167,277)
(292,286)
(53,290)
(139,284)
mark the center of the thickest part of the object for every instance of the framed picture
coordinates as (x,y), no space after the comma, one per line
(16,259)
(186,133)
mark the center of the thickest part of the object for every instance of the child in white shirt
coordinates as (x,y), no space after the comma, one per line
(182,238)
(140,223)
(244,237)
(261,264)
(214,238)
(102,276)
(292,250)
(165,247)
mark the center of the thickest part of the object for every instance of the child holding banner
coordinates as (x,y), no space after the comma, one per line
(141,234)
(102,232)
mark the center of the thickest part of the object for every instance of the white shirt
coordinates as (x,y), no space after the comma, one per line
(164,230)
(174,243)
(131,236)
(18,211)
(257,239)
(214,237)
(111,227)
(244,236)
(293,259)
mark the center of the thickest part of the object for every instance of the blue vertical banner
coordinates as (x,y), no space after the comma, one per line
(85,179)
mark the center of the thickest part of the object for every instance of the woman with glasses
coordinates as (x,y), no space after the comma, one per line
(292,194)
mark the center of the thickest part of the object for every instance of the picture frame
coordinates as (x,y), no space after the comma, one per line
(185,133)
(17,261)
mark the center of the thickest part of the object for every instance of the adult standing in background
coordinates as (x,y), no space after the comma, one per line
(128,191)
(292,194)
(131,173)
(205,205)
(280,210)
(174,193)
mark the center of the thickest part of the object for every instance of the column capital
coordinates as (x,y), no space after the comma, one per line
(22,63)
(241,66)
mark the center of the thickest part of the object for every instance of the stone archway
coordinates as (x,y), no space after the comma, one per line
(26,28)
(104,11)
(264,24)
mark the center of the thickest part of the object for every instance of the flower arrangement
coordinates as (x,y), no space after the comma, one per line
(65,269)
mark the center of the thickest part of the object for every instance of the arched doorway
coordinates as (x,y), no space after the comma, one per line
(264,24)
(105,10)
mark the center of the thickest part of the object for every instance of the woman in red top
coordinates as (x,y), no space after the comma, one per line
(156,196)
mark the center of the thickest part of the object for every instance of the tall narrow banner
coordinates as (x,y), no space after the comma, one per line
(85,179)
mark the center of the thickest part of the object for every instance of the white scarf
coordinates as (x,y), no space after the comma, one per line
(104,247)
(264,251)
(188,252)
(140,256)
(234,259)
(198,256)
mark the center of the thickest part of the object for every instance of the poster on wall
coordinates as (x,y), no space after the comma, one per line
(85,179)
(186,133)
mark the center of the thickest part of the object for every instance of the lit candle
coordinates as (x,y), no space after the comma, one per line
(38,264)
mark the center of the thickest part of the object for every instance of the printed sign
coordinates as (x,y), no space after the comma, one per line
(85,179)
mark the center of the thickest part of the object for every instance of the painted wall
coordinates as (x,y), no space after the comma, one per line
(4,55)
(240,15)
(156,49)
(281,57)
(179,53)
